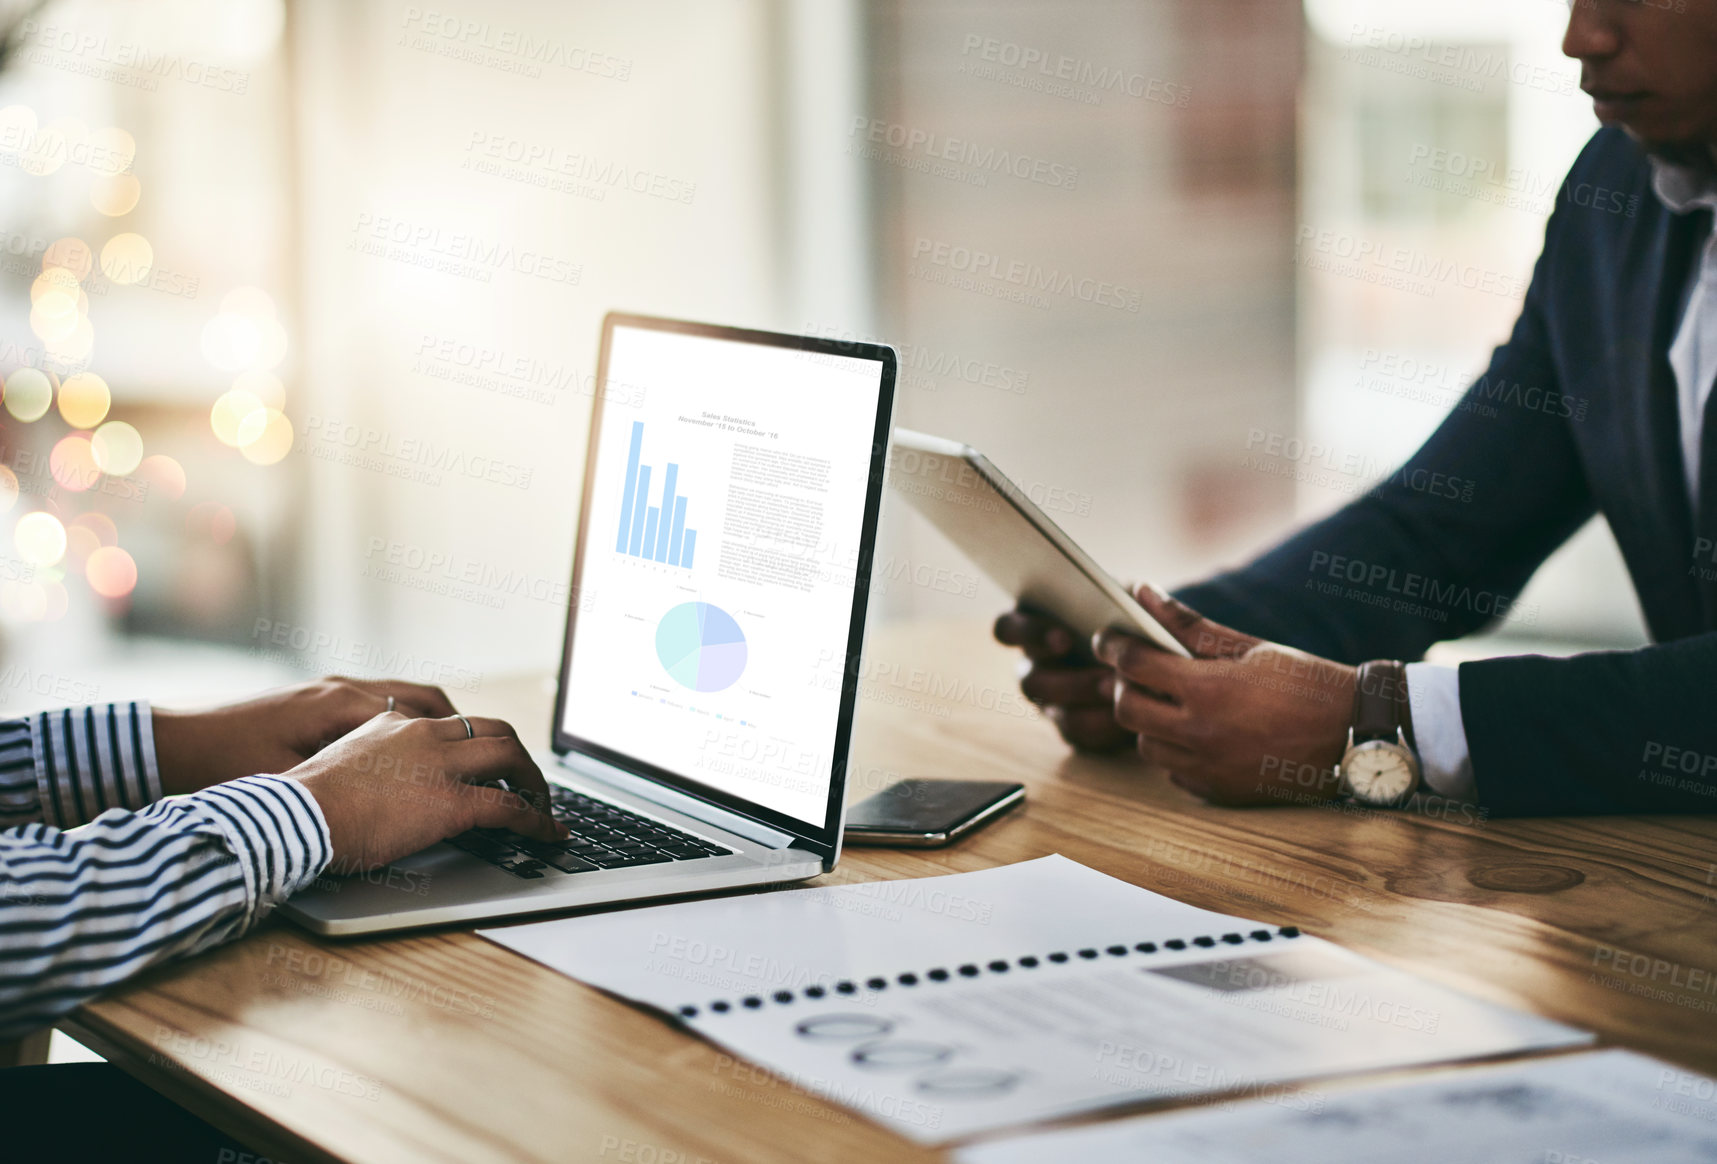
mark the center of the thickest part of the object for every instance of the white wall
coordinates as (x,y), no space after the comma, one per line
(386,130)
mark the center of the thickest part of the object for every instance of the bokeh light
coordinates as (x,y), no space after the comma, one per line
(265,436)
(213,521)
(111,572)
(72,464)
(126,258)
(62,281)
(117,448)
(81,542)
(8,489)
(271,344)
(245,335)
(84,400)
(115,194)
(111,150)
(28,394)
(54,316)
(164,474)
(230,412)
(51,285)
(71,253)
(40,538)
(231,343)
(75,348)
(99,524)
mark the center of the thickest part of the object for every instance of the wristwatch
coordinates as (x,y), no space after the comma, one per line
(1380,766)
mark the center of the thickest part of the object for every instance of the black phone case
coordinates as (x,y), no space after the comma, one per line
(927,806)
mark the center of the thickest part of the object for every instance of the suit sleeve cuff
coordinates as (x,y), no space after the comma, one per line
(1434,697)
(91,759)
(275,829)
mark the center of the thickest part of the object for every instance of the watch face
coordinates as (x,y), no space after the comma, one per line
(1378,772)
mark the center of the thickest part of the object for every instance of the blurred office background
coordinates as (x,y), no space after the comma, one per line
(299,299)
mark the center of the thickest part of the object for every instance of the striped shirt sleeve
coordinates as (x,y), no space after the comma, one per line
(83,910)
(68,766)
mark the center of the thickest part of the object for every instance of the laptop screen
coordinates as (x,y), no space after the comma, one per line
(729,504)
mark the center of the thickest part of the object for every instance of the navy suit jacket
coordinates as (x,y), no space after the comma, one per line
(1576,414)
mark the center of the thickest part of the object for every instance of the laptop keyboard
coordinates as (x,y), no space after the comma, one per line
(604,836)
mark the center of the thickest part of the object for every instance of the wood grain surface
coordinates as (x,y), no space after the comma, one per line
(443,1047)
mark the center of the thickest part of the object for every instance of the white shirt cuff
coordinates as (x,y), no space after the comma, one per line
(1434,697)
(90,759)
(275,828)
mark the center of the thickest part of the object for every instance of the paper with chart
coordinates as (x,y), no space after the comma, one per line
(695,952)
(1602,1107)
(939,1006)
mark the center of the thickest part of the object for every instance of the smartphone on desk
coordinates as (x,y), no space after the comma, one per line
(924,814)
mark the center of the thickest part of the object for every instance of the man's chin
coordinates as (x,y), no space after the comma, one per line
(1672,143)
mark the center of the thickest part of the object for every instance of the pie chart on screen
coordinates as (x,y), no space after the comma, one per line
(701,646)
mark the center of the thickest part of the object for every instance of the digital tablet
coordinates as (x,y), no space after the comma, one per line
(1013,541)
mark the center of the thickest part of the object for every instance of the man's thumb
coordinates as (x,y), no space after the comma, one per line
(1205,639)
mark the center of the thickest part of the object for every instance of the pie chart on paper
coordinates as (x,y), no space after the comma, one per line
(701,646)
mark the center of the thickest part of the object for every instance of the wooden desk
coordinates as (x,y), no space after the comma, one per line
(443,1047)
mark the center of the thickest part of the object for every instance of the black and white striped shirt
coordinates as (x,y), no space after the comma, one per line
(138,879)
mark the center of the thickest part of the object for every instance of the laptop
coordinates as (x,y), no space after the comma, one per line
(713,637)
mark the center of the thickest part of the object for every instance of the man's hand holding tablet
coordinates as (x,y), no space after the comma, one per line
(1233,718)
(1064,678)
(1243,721)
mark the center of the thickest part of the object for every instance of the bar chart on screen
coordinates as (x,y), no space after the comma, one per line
(654,533)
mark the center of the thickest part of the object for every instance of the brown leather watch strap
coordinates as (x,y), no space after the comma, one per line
(1380,702)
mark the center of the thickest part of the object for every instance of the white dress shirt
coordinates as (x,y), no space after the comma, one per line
(1434,692)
